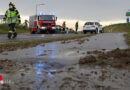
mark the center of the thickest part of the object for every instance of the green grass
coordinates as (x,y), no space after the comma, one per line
(122,27)
(26,44)
(19,28)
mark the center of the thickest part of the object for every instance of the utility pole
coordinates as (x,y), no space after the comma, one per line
(37,6)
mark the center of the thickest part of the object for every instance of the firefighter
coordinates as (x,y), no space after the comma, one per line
(13,17)
(76,26)
(64,25)
(26,24)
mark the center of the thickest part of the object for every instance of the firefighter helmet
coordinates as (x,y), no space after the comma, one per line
(11,3)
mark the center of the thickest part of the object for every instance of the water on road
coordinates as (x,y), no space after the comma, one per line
(53,66)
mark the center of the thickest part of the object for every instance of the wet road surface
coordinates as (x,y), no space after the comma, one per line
(28,37)
(65,51)
(53,66)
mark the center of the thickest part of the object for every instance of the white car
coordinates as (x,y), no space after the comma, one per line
(92,27)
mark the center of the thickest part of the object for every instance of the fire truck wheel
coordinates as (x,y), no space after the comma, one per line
(44,32)
(32,32)
(51,31)
(54,31)
(38,31)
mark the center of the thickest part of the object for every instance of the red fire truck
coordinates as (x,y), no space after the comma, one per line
(42,24)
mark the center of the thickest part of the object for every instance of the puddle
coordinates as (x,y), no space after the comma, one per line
(33,78)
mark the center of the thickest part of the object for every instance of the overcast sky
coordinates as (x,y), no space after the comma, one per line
(83,10)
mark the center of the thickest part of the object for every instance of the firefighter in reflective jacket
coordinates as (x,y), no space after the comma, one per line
(64,25)
(13,17)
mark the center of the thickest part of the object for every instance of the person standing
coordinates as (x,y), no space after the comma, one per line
(12,16)
(26,24)
(64,25)
(76,26)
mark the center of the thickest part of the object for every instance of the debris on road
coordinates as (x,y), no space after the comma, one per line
(116,58)
(9,66)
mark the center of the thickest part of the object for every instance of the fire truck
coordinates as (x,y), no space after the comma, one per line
(42,24)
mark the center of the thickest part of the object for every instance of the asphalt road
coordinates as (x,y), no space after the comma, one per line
(28,37)
(71,51)
(53,64)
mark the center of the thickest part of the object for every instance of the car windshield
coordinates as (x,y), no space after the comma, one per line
(89,23)
(47,18)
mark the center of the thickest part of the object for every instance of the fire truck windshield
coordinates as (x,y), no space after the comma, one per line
(47,18)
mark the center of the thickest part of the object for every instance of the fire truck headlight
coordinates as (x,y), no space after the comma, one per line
(53,27)
(43,27)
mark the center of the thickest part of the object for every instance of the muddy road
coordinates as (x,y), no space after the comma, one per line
(54,66)
(28,37)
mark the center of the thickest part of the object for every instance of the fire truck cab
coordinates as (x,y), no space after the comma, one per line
(42,24)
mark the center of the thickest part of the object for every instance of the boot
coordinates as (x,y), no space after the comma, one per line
(14,35)
(9,35)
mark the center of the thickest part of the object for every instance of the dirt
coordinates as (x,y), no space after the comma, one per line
(85,77)
(81,41)
(9,66)
(15,48)
(116,58)
(95,52)
(65,41)
(88,59)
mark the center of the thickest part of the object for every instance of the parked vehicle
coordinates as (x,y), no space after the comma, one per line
(42,24)
(92,27)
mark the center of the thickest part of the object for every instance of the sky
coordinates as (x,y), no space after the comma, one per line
(105,11)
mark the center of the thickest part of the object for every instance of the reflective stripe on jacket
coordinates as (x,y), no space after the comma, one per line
(12,16)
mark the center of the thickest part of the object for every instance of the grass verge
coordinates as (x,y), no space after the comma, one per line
(19,28)
(25,44)
(122,27)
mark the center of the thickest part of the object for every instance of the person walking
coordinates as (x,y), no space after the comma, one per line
(12,16)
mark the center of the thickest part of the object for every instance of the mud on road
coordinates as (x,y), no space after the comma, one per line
(67,65)
(116,58)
